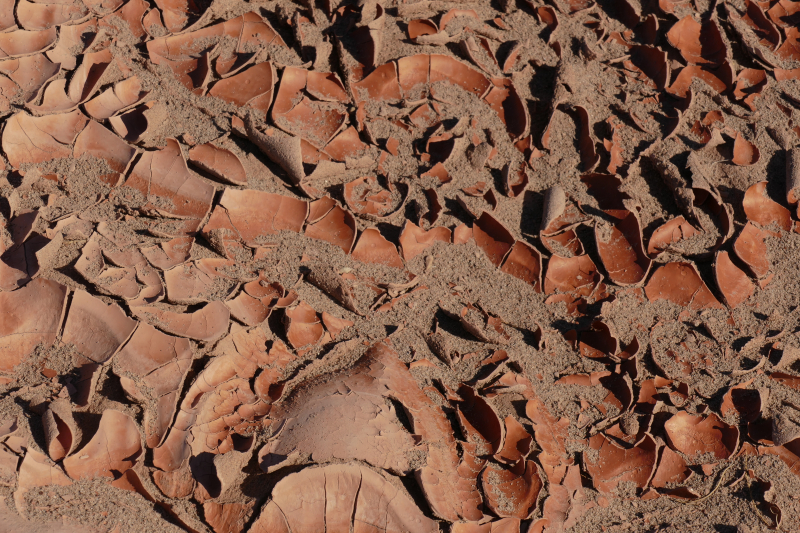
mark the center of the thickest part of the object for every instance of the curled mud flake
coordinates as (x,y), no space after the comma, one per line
(28,139)
(697,435)
(764,211)
(511,492)
(257,214)
(483,326)
(479,422)
(219,162)
(356,423)
(85,79)
(36,16)
(309,121)
(559,220)
(745,153)
(282,149)
(61,433)
(493,238)
(649,65)
(124,94)
(381,85)
(412,74)
(455,13)
(338,498)
(227,517)
(671,469)
(36,470)
(616,464)
(598,343)
(576,274)
(207,324)
(23,42)
(164,179)
(524,262)
(750,83)
(170,253)
(621,249)
(334,285)
(504,99)
(719,79)
(784,12)
(419,27)
(439,172)
(515,181)
(415,240)
(326,86)
(338,227)
(586,141)
(365,197)
(766,31)
(132,13)
(744,403)
(335,325)
(255,303)
(55,99)
(789,453)
(669,234)
(447,69)
(102,144)
(114,448)
(133,124)
(517,442)
(698,43)
(681,284)
(751,248)
(372,247)
(97,330)
(733,283)
(29,317)
(793,176)
(790,49)
(303,327)
(345,145)
(30,73)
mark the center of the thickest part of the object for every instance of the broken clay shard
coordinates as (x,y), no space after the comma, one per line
(115,446)
(681,284)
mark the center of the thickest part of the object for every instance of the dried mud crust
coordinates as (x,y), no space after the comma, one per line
(516,266)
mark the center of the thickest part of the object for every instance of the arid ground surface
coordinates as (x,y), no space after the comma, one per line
(390,266)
